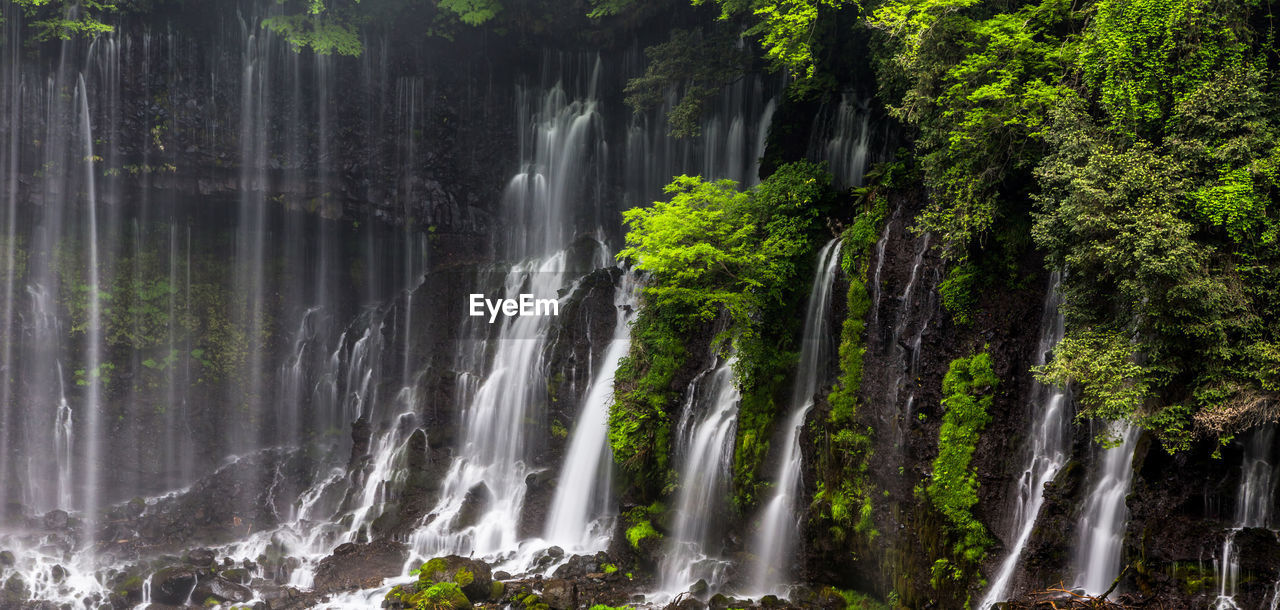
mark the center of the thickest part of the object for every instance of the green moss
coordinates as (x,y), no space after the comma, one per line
(463,577)
(609,568)
(639,425)
(856,600)
(640,532)
(844,489)
(952,489)
(441,596)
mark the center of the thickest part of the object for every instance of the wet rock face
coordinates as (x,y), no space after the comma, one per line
(360,566)
(222,590)
(251,493)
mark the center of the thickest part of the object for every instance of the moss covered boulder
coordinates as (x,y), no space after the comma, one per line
(446,582)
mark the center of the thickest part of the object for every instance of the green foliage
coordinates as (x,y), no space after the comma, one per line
(1137,59)
(978,87)
(959,292)
(844,490)
(472,12)
(65,19)
(639,422)
(713,251)
(953,485)
(1144,133)
(785,28)
(319,34)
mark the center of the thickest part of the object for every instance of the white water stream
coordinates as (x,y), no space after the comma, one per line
(779,521)
(1105,515)
(1049,447)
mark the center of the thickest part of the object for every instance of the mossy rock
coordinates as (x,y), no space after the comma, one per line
(471,576)
(442,595)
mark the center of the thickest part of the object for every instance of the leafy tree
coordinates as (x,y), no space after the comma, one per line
(713,251)
(64,19)
(1141,136)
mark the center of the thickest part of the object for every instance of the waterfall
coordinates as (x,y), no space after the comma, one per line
(483,493)
(653,156)
(1047,452)
(251,229)
(779,523)
(94,370)
(1253,509)
(563,155)
(579,516)
(842,138)
(1103,520)
(705,435)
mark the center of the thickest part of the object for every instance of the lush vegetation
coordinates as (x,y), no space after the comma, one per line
(713,253)
(1139,136)
(843,499)
(64,19)
(968,390)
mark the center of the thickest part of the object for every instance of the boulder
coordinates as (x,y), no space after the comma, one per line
(223,590)
(201,558)
(472,575)
(56,519)
(15,591)
(474,505)
(173,585)
(360,566)
(560,594)
(236,575)
(691,603)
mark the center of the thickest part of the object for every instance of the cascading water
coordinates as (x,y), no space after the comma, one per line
(579,520)
(843,140)
(1253,509)
(1048,450)
(283,353)
(779,522)
(1105,516)
(653,156)
(704,436)
(483,493)
(482,496)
